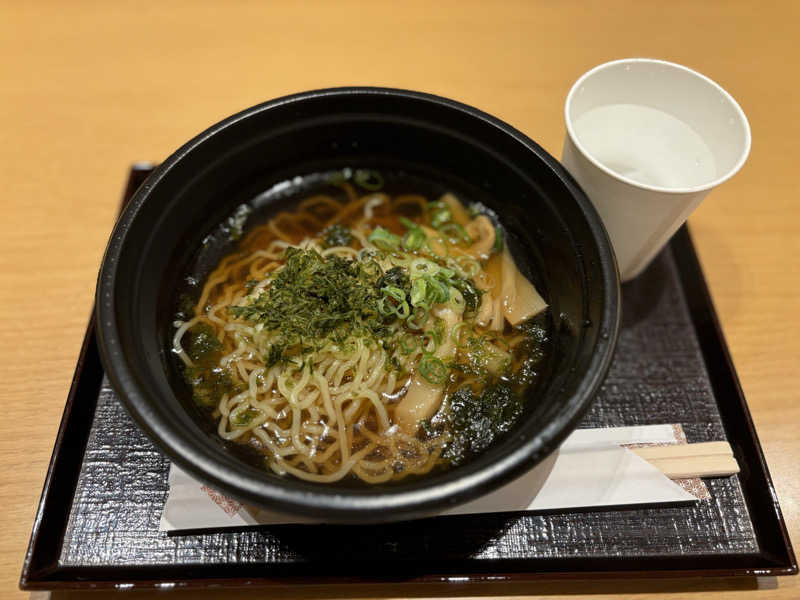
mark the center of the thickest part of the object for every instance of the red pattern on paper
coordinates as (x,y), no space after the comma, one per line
(695,486)
(229,505)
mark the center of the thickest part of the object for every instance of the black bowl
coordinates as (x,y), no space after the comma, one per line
(553,231)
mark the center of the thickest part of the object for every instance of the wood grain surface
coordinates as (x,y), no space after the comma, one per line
(88,87)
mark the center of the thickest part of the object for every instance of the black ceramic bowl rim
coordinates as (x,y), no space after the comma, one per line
(341,504)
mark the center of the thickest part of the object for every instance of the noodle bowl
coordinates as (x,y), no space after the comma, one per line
(364,336)
(175,232)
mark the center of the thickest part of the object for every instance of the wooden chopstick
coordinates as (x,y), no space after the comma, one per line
(686,461)
(681,450)
(696,466)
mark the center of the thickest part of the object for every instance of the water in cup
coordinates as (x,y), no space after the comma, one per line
(646,145)
(647,140)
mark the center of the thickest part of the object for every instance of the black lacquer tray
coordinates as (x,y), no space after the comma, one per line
(97,523)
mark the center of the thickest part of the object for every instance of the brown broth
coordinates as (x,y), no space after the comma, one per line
(481,402)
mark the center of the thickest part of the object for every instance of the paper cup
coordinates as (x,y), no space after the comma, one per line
(647,140)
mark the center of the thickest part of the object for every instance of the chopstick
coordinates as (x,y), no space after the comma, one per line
(686,461)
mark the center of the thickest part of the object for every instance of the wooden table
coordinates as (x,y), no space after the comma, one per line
(86,88)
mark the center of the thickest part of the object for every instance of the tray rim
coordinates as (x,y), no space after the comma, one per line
(776,557)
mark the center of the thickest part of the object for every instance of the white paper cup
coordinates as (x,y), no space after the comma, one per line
(647,140)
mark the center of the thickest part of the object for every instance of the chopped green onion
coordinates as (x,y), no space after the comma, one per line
(244,418)
(434,341)
(408,223)
(469,266)
(403,310)
(437,292)
(371,268)
(408,343)
(385,310)
(367,253)
(457,298)
(418,291)
(383,239)
(455,334)
(401,260)
(414,239)
(433,369)
(498,239)
(369,180)
(469,292)
(418,317)
(456,232)
(422,266)
(445,273)
(440,216)
(394,292)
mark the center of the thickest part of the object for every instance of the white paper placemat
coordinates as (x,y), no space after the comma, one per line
(592,468)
